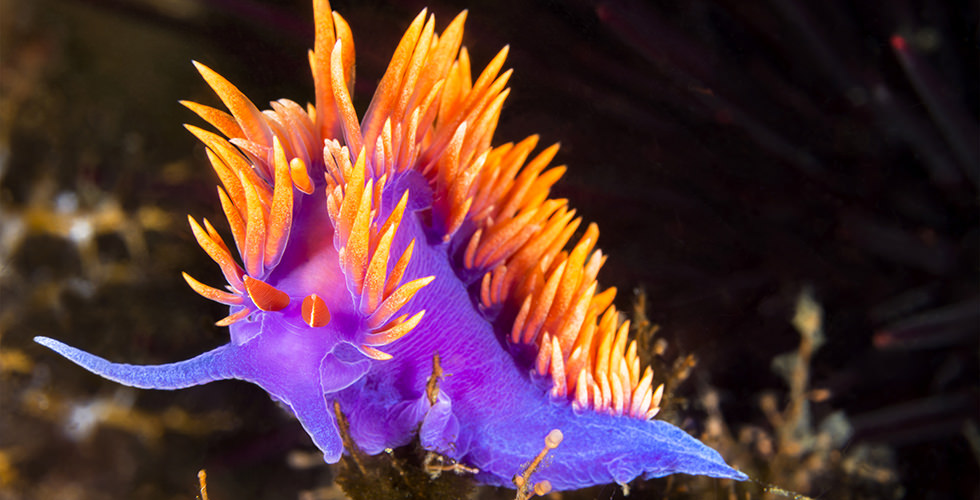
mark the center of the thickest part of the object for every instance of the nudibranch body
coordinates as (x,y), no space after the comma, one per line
(368,247)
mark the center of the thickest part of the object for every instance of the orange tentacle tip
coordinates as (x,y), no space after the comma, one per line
(213,293)
(394,330)
(234,317)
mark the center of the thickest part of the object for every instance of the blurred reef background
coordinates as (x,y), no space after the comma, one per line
(788,192)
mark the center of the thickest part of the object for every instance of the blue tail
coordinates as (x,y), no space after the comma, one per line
(208,367)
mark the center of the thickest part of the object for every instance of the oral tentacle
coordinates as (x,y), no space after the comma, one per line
(208,367)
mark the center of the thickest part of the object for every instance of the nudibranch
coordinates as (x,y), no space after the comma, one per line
(370,246)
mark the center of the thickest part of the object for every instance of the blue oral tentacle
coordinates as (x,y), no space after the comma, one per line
(208,367)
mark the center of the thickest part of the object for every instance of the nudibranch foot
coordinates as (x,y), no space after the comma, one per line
(597,448)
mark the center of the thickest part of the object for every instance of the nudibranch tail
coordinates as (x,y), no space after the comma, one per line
(368,247)
(208,367)
(615,449)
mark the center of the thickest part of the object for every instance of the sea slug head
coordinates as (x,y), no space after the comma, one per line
(319,290)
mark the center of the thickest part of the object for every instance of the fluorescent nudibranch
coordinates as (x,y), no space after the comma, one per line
(370,246)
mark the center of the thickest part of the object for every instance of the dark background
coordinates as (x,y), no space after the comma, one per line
(733,154)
